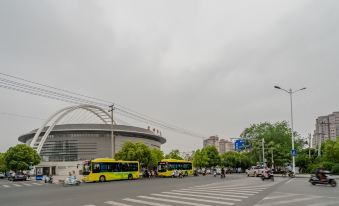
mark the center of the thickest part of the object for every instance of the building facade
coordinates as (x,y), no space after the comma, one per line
(326,128)
(222,145)
(63,147)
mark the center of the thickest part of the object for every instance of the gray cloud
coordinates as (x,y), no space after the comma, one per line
(208,66)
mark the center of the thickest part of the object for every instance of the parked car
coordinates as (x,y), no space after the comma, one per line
(2,175)
(17,177)
(255,171)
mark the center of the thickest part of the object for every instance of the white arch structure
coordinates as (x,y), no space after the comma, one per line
(104,116)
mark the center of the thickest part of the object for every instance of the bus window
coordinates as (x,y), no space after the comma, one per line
(116,167)
(103,167)
(124,167)
(96,168)
(133,167)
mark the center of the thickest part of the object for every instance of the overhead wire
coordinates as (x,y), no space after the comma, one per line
(34,90)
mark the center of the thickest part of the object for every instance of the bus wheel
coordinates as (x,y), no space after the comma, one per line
(186,173)
(130,177)
(102,178)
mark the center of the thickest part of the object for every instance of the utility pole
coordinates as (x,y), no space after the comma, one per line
(263,151)
(309,146)
(291,92)
(111,109)
(272,160)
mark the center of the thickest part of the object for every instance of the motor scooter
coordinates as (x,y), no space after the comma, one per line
(267,175)
(49,179)
(329,179)
(71,181)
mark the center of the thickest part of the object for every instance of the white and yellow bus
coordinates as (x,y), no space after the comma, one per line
(167,166)
(107,169)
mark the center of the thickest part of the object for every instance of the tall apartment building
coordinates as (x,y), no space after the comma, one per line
(326,127)
(212,140)
(222,145)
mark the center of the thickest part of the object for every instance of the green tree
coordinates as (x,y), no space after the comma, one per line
(135,152)
(277,138)
(3,167)
(174,154)
(157,156)
(213,156)
(331,151)
(21,157)
(200,158)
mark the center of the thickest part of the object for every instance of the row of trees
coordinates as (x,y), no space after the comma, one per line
(210,157)
(148,157)
(19,157)
(308,159)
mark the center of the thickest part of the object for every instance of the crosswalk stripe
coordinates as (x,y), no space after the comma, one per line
(145,202)
(27,184)
(279,196)
(34,183)
(173,201)
(16,185)
(223,192)
(116,203)
(287,201)
(89,205)
(230,189)
(213,194)
(249,187)
(195,199)
(235,190)
(202,196)
(6,186)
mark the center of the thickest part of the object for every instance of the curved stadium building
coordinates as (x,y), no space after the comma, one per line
(63,147)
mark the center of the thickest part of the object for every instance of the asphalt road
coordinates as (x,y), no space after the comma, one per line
(235,190)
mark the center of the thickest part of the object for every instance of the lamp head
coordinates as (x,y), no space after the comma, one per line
(277,87)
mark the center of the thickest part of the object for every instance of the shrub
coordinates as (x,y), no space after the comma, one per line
(335,169)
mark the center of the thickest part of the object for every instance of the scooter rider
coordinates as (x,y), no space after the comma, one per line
(319,173)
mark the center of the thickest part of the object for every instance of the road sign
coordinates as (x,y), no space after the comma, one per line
(239,144)
(294,152)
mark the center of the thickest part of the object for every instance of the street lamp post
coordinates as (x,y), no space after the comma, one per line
(291,92)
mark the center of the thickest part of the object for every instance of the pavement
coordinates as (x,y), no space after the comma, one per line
(236,189)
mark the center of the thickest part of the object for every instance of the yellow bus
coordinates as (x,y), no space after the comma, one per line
(167,166)
(107,169)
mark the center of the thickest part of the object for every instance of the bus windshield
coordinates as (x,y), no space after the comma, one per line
(86,169)
(162,167)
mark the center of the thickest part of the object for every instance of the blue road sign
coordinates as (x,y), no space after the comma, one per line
(239,144)
(294,152)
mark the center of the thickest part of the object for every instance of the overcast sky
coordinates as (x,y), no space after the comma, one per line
(207,66)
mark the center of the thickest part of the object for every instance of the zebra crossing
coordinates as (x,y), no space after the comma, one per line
(19,185)
(289,199)
(215,194)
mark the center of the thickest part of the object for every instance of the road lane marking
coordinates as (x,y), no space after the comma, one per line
(242,187)
(214,194)
(16,185)
(287,201)
(202,196)
(173,201)
(36,184)
(145,202)
(289,181)
(89,205)
(7,186)
(194,199)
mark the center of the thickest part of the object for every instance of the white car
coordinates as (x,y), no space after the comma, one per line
(255,171)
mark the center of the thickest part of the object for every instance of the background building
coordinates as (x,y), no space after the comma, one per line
(63,147)
(222,145)
(326,127)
